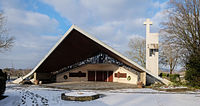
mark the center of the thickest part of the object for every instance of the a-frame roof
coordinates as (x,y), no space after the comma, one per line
(77,45)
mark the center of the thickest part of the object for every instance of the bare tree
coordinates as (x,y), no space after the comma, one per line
(170,56)
(183,29)
(183,25)
(137,50)
(5,41)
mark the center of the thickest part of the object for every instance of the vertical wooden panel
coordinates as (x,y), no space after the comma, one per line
(91,75)
(99,76)
(105,76)
(110,76)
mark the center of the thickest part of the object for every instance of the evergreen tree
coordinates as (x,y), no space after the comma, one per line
(3,78)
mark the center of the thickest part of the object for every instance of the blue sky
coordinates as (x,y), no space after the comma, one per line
(38,24)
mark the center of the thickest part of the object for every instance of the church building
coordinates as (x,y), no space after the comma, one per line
(78,56)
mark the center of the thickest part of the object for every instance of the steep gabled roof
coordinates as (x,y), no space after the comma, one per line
(77,45)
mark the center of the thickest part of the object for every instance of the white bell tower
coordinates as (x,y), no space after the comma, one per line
(151,49)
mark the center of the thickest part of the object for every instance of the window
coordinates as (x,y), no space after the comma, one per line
(152,51)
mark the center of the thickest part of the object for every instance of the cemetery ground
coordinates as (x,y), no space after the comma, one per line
(37,95)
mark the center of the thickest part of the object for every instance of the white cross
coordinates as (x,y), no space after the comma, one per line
(148,23)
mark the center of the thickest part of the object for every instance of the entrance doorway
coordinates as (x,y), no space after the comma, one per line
(99,76)
(104,76)
(91,75)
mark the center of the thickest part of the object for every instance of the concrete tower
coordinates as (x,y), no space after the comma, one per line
(151,49)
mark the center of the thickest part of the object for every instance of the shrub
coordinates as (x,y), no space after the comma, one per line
(161,75)
(192,74)
(174,78)
(164,75)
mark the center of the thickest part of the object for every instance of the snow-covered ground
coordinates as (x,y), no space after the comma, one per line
(38,96)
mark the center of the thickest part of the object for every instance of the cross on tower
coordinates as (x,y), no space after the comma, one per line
(148,23)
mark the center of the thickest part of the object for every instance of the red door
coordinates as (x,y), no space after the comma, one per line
(110,76)
(91,75)
(99,76)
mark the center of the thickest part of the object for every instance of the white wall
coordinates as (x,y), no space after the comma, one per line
(134,77)
(99,67)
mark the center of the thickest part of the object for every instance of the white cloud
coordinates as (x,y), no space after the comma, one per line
(32,22)
(92,11)
(112,21)
(34,35)
(135,36)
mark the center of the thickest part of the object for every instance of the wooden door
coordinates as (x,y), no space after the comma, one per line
(99,76)
(105,76)
(110,76)
(91,75)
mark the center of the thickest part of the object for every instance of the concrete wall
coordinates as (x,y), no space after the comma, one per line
(42,76)
(99,67)
(152,61)
(143,77)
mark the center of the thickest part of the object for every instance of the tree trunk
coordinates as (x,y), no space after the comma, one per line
(170,71)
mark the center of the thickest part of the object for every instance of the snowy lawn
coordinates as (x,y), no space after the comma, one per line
(38,96)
